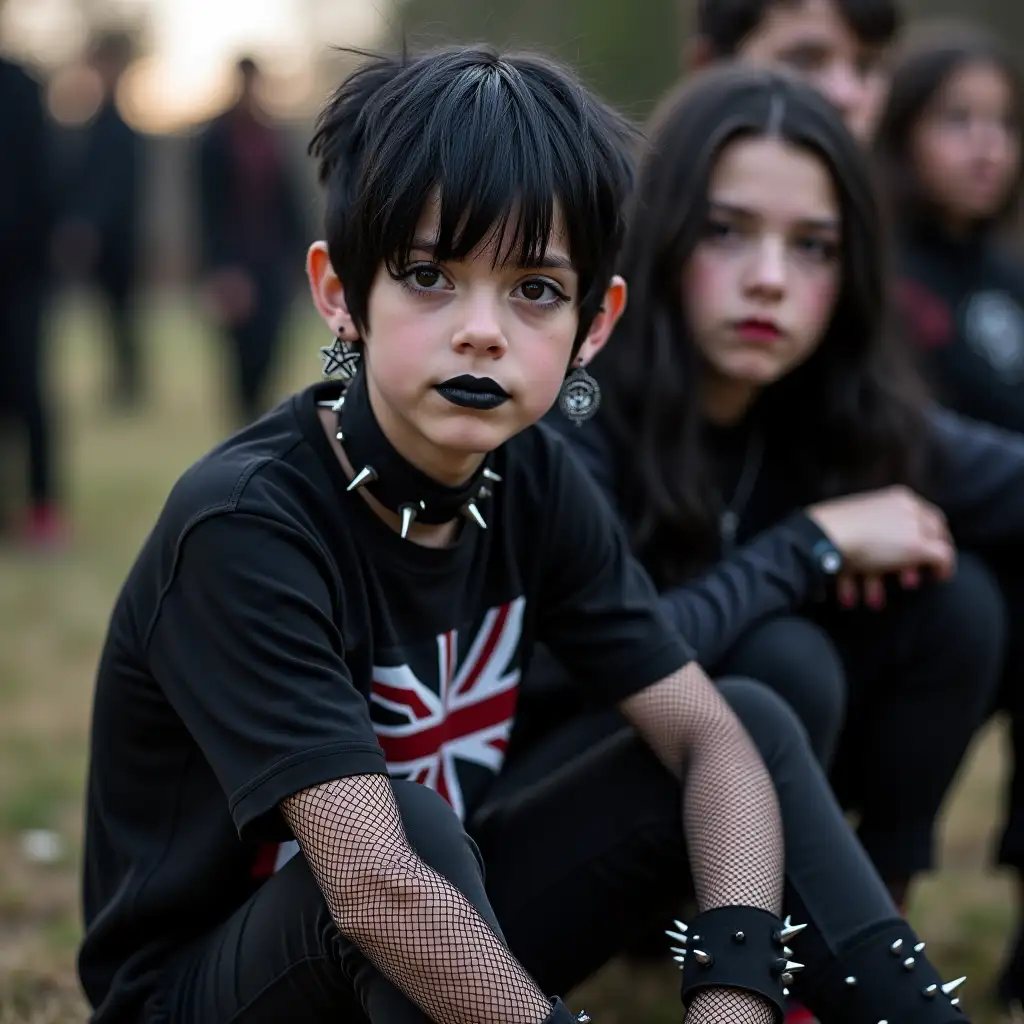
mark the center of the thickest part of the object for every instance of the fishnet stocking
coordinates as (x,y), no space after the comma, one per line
(730,812)
(413,925)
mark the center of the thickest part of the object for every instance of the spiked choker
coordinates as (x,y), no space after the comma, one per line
(394,482)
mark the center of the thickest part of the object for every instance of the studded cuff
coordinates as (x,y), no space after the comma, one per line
(883,977)
(561,1014)
(737,947)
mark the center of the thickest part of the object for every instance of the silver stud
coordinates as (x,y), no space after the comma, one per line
(850,980)
(952,986)
(408,518)
(470,511)
(786,978)
(704,959)
(680,935)
(484,492)
(739,937)
(896,947)
(489,474)
(883,1022)
(785,991)
(919,948)
(789,929)
(365,476)
(929,992)
(786,951)
(695,938)
(583,1017)
(908,964)
(339,436)
(954,1002)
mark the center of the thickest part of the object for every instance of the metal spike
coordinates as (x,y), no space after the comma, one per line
(786,978)
(919,948)
(908,964)
(929,992)
(679,936)
(785,991)
(883,1022)
(408,518)
(952,986)
(365,476)
(339,436)
(896,947)
(739,937)
(850,980)
(786,951)
(470,511)
(337,407)
(704,959)
(789,930)
(489,474)
(954,1002)
(484,492)
(583,1017)
(681,950)
(793,967)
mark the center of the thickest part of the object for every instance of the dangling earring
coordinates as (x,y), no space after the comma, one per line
(580,396)
(341,358)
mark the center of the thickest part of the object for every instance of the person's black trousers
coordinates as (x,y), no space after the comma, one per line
(26,401)
(583,844)
(892,699)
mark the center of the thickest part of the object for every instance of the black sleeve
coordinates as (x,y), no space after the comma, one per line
(776,572)
(599,612)
(245,647)
(981,480)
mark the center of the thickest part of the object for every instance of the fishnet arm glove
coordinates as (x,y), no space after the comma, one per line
(730,812)
(414,926)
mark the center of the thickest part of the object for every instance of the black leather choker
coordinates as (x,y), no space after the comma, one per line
(394,482)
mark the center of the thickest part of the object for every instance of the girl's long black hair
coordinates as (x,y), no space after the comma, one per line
(850,418)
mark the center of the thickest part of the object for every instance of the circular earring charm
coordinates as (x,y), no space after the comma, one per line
(580,396)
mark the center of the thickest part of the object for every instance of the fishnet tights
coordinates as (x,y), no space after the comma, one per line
(415,927)
(730,812)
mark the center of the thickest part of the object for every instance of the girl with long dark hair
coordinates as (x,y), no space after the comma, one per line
(949,143)
(776,464)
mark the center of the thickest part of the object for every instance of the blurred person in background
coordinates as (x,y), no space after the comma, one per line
(949,141)
(840,46)
(252,235)
(25,231)
(98,236)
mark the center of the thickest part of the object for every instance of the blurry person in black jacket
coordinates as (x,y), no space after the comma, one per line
(252,234)
(25,233)
(99,235)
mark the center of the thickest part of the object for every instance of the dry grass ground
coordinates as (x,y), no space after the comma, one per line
(52,617)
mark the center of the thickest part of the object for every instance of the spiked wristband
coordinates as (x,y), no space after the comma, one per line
(561,1014)
(737,947)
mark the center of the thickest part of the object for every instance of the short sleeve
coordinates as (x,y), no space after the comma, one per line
(599,612)
(247,651)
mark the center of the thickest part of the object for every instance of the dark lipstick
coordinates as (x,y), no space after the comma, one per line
(471,392)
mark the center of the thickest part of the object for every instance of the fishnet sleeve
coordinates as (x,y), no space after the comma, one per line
(730,812)
(411,923)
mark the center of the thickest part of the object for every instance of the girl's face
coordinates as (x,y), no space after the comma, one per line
(966,145)
(761,285)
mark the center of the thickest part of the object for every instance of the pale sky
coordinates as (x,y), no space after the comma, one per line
(188,69)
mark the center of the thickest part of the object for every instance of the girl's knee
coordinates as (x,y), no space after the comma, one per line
(774,727)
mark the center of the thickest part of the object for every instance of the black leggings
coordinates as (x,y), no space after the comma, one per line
(583,842)
(917,680)
(23,390)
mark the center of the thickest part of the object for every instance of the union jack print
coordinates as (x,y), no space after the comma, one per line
(426,731)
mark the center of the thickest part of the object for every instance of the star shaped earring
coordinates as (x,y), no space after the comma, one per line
(341,359)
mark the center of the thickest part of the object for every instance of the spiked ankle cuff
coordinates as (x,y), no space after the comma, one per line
(561,1014)
(737,947)
(882,977)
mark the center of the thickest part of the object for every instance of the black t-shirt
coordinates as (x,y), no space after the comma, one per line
(274,634)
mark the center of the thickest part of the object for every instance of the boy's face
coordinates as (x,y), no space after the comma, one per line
(812,38)
(461,356)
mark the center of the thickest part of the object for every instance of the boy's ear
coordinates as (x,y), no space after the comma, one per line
(607,317)
(328,292)
(699,54)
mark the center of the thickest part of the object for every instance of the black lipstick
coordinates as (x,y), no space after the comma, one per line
(471,392)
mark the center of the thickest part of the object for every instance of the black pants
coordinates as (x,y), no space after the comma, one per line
(583,842)
(23,392)
(918,680)
(255,343)
(116,282)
